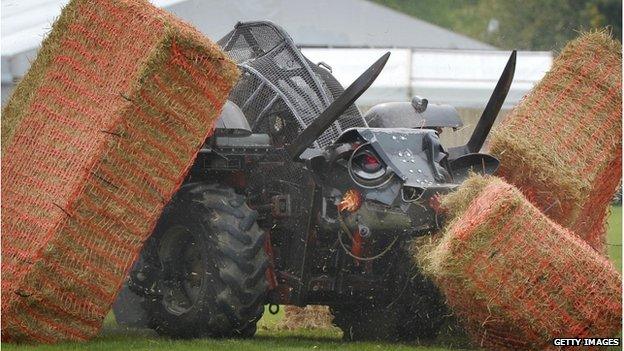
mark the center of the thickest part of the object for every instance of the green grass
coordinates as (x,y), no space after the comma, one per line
(614,237)
(268,338)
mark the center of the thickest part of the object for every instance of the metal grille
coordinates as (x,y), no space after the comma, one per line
(352,117)
(278,79)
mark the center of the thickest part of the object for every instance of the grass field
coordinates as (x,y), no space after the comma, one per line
(614,240)
(268,338)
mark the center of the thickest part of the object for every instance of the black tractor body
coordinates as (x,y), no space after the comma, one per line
(299,199)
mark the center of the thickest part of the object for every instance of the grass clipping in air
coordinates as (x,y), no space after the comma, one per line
(513,277)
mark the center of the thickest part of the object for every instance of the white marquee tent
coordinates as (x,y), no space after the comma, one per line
(346,34)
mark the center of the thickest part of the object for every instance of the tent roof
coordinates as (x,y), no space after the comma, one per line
(353,23)
(326,23)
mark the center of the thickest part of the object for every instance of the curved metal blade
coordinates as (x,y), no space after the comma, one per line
(336,108)
(490,112)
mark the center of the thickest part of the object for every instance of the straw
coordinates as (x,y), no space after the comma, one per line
(562,145)
(96,138)
(514,278)
(308,317)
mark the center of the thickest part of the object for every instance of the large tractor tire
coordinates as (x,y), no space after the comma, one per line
(209,255)
(416,314)
(129,310)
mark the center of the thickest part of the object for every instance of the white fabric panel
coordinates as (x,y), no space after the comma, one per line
(347,64)
(463,78)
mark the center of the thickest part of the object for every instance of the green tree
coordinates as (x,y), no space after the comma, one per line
(519,24)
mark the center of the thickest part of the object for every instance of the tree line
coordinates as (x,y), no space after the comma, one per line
(517,24)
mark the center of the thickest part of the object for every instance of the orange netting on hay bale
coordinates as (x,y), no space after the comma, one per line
(562,146)
(514,278)
(308,317)
(96,138)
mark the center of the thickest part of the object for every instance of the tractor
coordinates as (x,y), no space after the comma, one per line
(299,199)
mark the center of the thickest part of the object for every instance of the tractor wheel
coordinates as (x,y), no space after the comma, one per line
(365,322)
(128,309)
(211,263)
(426,312)
(416,314)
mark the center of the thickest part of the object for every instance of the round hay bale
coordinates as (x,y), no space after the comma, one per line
(562,146)
(516,279)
